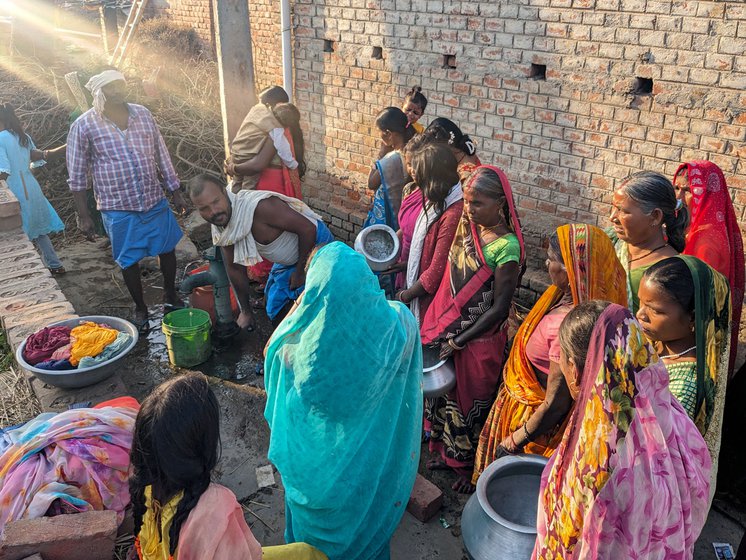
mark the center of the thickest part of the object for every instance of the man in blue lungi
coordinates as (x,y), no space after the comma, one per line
(120,145)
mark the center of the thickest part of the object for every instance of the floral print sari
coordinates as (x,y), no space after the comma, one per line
(630,478)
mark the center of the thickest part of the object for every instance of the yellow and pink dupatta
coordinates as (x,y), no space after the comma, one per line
(631,476)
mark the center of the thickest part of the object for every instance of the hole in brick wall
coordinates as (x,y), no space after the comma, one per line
(328,45)
(643,86)
(449,61)
(538,72)
(377,53)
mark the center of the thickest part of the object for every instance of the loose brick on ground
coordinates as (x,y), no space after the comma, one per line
(81,536)
(426,499)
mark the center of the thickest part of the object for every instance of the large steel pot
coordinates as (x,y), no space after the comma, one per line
(499,520)
(380,246)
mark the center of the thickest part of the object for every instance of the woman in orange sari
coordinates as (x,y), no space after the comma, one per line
(534,400)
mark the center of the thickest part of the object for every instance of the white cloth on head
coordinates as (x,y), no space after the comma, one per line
(238,231)
(428,216)
(97,82)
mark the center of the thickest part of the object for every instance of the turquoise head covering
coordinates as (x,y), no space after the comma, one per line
(344,404)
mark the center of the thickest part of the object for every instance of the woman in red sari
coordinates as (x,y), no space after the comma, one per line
(714,235)
(468,318)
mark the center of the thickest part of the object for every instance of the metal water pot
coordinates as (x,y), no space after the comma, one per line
(439,376)
(499,520)
(380,246)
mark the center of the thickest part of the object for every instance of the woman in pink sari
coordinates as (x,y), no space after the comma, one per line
(630,478)
(411,205)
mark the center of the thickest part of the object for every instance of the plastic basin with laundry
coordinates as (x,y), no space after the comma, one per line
(82,377)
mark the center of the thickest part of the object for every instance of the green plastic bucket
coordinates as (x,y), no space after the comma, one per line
(187,336)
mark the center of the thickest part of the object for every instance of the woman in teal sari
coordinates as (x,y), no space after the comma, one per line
(344,405)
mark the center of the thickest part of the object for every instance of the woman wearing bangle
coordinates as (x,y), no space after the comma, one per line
(534,400)
(468,318)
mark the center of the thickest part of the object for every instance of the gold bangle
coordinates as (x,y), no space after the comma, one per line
(452,344)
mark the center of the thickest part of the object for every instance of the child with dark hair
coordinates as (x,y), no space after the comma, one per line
(178,513)
(414,106)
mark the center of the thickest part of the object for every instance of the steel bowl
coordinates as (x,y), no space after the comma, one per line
(439,376)
(82,377)
(499,520)
(382,234)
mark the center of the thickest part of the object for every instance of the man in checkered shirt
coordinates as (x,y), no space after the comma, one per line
(120,146)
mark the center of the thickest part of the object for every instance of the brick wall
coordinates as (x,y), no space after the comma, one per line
(266,42)
(191,13)
(565,141)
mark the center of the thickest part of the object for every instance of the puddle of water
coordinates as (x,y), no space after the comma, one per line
(238,360)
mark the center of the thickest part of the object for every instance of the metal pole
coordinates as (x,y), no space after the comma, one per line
(287,51)
(235,64)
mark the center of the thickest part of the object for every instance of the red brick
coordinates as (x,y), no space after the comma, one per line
(81,536)
(426,499)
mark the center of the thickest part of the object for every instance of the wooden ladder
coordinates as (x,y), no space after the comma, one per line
(125,38)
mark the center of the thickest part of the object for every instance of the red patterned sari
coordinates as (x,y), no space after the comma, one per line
(714,235)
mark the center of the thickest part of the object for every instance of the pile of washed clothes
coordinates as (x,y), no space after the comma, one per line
(63,348)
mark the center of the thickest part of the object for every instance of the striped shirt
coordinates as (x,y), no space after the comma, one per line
(129,167)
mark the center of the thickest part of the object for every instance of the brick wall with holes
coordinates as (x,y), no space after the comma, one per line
(568,96)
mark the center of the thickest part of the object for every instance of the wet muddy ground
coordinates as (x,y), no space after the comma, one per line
(94,286)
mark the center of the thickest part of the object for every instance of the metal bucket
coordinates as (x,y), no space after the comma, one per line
(499,520)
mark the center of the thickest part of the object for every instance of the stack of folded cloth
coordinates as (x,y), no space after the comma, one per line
(62,348)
